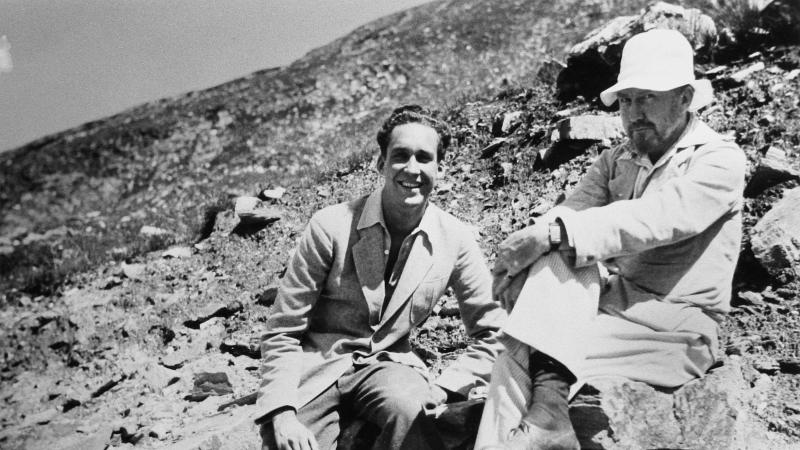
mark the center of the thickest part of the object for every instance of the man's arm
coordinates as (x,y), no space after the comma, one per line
(523,247)
(682,207)
(281,349)
(482,317)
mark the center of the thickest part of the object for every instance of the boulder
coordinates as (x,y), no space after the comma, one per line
(709,413)
(776,237)
(251,211)
(589,127)
(593,65)
(178,252)
(773,168)
(209,383)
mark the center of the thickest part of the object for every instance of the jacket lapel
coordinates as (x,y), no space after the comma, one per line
(621,186)
(417,265)
(368,260)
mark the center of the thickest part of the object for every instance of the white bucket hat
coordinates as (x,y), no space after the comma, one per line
(659,60)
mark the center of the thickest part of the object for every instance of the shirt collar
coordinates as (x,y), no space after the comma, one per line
(373,214)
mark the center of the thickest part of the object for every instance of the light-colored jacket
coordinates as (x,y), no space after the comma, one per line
(678,239)
(327,315)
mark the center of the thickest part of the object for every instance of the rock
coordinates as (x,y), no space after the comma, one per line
(792,407)
(776,237)
(743,74)
(710,413)
(751,298)
(773,168)
(267,297)
(148,230)
(108,385)
(590,127)
(178,252)
(128,430)
(157,377)
(250,348)
(214,309)
(790,365)
(766,364)
(161,429)
(33,238)
(209,383)
(493,147)
(249,399)
(592,65)
(781,19)
(506,122)
(250,211)
(224,119)
(133,271)
(549,70)
(174,360)
(273,194)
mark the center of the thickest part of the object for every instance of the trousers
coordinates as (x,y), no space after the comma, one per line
(596,330)
(387,394)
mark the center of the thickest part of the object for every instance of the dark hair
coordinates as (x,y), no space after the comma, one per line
(414,114)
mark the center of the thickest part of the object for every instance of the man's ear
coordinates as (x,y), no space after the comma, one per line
(687,95)
(440,166)
(380,162)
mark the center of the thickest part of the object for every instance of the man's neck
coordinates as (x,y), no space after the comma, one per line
(401,223)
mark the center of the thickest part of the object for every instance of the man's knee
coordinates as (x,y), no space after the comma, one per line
(398,407)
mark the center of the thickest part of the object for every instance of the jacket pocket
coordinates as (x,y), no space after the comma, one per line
(424,299)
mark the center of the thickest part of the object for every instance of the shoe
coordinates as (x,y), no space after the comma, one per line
(531,437)
(546,425)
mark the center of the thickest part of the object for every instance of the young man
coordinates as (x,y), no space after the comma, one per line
(364,273)
(663,214)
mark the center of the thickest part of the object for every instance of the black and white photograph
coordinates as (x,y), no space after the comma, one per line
(399,225)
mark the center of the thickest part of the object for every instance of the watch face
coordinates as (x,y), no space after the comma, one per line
(555,235)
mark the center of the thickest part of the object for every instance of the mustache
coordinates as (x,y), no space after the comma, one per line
(641,124)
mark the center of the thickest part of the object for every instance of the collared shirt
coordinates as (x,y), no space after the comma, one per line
(372,216)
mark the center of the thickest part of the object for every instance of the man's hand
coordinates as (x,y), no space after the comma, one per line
(520,249)
(510,289)
(437,397)
(290,434)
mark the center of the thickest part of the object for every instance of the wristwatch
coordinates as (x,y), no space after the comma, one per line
(555,232)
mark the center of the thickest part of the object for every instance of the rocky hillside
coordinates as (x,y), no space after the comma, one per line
(77,198)
(134,295)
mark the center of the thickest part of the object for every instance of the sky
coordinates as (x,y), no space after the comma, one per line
(72,61)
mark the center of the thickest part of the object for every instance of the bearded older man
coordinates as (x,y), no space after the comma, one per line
(663,214)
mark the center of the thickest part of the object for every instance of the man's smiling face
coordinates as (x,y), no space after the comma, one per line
(410,167)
